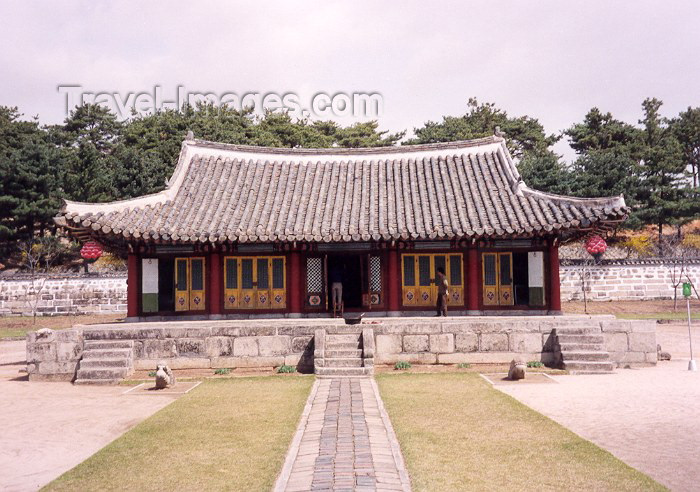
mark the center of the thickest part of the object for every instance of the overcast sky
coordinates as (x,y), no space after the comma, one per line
(551,60)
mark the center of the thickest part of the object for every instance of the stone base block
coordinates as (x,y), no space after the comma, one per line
(176,363)
(234,362)
(51,378)
(423,358)
(490,357)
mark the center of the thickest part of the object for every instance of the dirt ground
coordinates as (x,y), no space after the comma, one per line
(629,307)
(673,338)
(646,417)
(18,326)
(48,428)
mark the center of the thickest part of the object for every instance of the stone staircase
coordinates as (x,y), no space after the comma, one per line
(106,361)
(344,352)
(581,349)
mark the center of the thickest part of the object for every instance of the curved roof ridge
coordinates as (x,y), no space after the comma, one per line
(349,151)
(609,201)
(171,187)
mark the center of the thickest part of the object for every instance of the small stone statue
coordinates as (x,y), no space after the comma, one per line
(517,370)
(164,376)
(660,355)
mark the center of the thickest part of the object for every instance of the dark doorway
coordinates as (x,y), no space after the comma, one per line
(166,284)
(348,267)
(520,279)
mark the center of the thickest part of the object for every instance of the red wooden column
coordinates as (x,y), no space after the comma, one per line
(132,286)
(393,284)
(295,284)
(554,282)
(472,280)
(215,284)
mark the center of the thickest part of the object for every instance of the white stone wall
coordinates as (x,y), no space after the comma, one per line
(624,281)
(63,295)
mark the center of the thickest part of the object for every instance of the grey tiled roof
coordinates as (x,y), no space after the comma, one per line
(222,192)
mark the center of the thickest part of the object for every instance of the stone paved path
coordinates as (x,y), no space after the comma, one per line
(344,442)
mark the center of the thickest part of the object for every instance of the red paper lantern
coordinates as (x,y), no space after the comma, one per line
(91,250)
(596,245)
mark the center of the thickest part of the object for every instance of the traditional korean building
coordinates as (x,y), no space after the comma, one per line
(246,231)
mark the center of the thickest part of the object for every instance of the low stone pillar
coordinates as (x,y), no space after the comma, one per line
(53,355)
(368,347)
(319,347)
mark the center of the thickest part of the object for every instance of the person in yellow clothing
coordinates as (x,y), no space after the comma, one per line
(441,282)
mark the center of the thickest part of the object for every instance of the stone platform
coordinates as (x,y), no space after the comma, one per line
(58,355)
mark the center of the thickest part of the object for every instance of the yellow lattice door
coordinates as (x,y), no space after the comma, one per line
(189,284)
(426,286)
(197,282)
(278,293)
(409,291)
(497,279)
(262,283)
(490,278)
(419,273)
(455,280)
(255,282)
(231,285)
(505,280)
(182,291)
(248,291)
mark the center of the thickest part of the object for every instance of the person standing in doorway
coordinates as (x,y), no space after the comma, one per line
(335,275)
(441,282)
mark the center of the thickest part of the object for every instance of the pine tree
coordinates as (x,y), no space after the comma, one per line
(523,134)
(665,197)
(544,171)
(31,173)
(687,129)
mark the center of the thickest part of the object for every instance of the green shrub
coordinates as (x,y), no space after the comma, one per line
(463,365)
(402,365)
(534,363)
(152,374)
(222,370)
(286,369)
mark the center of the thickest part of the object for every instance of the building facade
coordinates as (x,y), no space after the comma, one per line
(246,231)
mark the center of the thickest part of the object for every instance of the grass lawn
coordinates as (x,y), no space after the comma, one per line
(458,433)
(227,434)
(18,326)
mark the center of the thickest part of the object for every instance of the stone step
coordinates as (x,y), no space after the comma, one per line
(106,363)
(96,381)
(330,354)
(108,344)
(592,347)
(577,330)
(343,371)
(342,338)
(584,355)
(103,373)
(343,362)
(107,354)
(344,329)
(342,345)
(588,367)
(564,339)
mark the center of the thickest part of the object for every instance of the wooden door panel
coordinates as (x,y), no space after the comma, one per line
(231,283)
(197,283)
(182,298)
(248,294)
